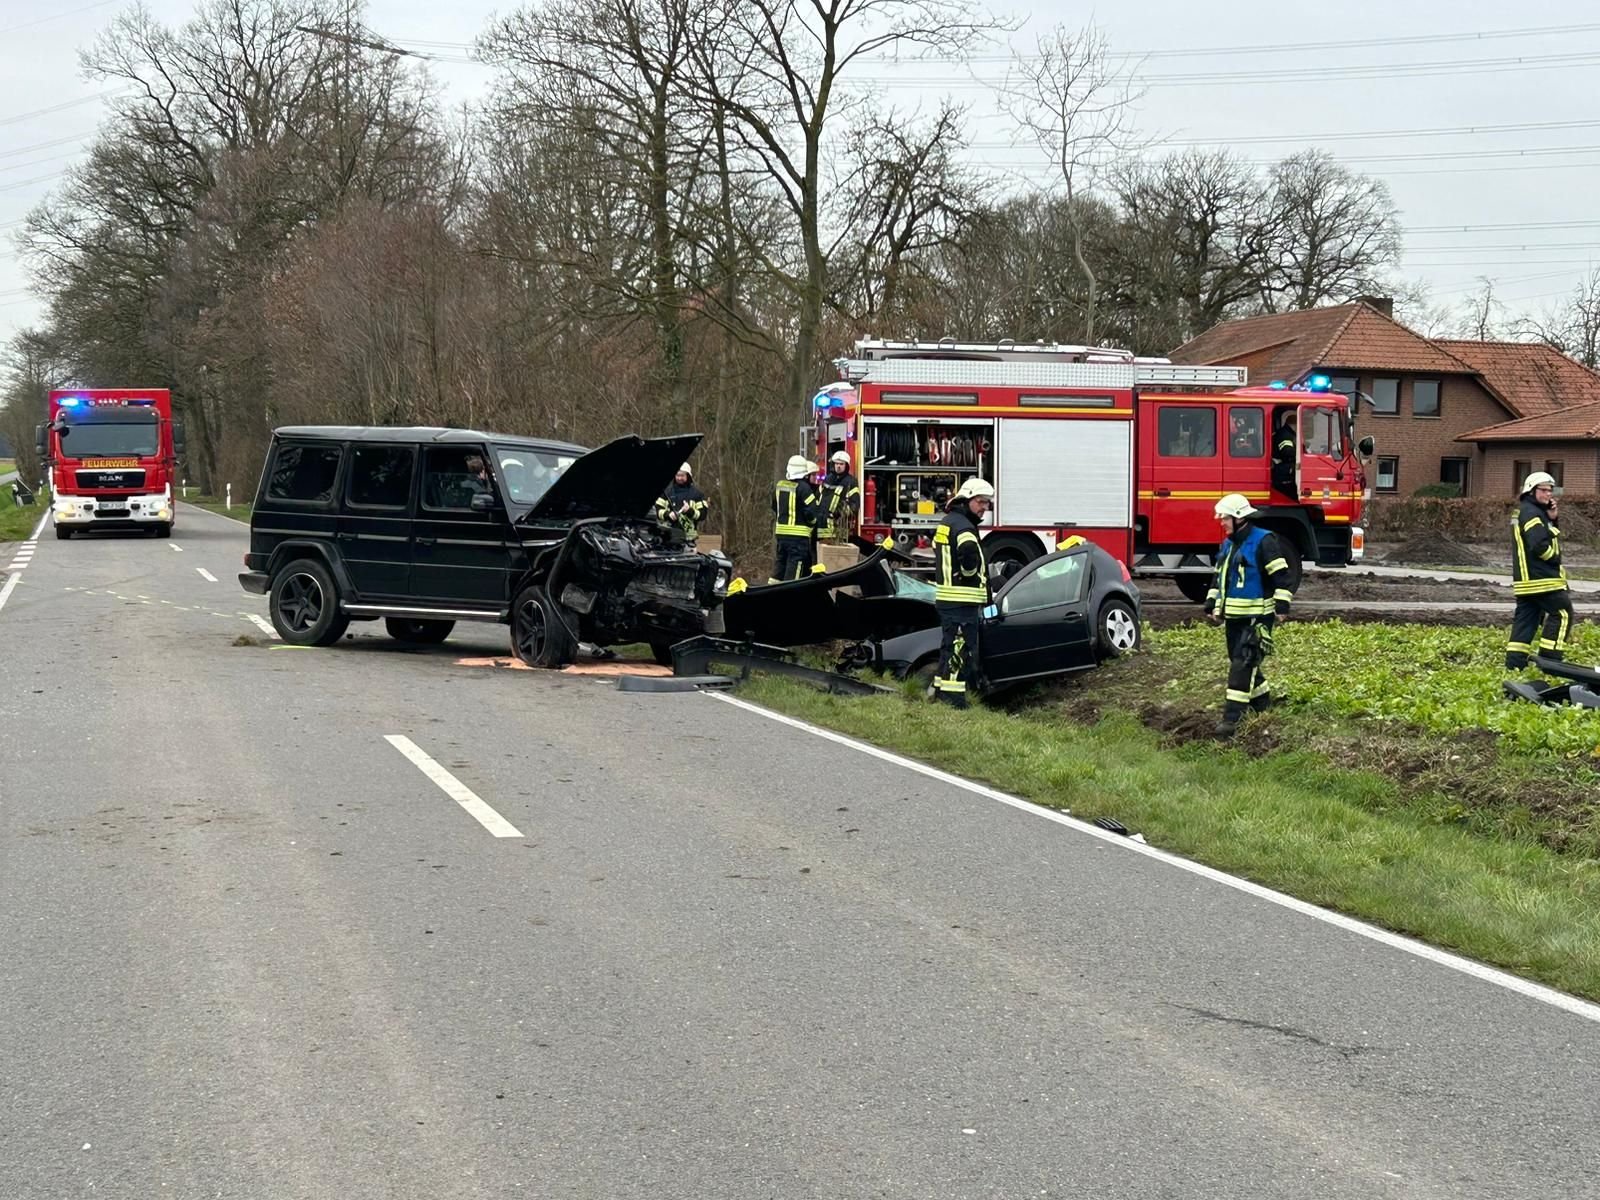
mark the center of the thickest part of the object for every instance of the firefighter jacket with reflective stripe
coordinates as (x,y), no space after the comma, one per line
(683,505)
(795,503)
(841,495)
(961,576)
(1252,576)
(1536,552)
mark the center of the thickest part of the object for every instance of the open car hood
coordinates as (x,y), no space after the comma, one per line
(620,479)
(814,609)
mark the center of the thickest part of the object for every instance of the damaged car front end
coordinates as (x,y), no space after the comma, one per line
(603,570)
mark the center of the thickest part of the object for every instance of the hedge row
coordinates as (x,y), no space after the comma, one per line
(1480,520)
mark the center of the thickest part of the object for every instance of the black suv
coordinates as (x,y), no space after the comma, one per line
(427,527)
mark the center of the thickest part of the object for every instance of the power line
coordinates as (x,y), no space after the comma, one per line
(50,145)
(71,12)
(1503,228)
(62,107)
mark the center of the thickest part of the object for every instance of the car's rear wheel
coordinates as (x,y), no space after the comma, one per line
(922,675)
(539,635)
(304,604)
(418,632)
(1118,629)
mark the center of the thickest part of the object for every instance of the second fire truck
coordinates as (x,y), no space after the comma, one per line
(1129,453)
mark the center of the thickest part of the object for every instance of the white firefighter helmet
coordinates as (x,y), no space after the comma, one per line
(1538,479)
(799,467)
(686,469)
(974,489)
(839,456)
(1235,506)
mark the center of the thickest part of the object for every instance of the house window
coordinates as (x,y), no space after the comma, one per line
(1345,385)
(1454,471)
(1557,471)
(1386,396)
(1187,432)
(1388,475)
(1520,469)
(1425,398)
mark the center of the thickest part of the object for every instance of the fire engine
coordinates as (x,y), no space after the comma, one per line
(1129,453)
(112,455)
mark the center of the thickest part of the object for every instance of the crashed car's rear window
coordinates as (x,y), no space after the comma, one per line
(529,473)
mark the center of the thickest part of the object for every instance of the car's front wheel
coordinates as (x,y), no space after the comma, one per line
(304,604)
(539,635)
(1118,629)
(417,632)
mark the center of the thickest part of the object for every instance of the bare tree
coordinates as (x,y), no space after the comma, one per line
(1481,315)
(1337,232)
(1076,103)
(1573,326)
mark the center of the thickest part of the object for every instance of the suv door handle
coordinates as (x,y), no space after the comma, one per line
(345,537)
(422,541)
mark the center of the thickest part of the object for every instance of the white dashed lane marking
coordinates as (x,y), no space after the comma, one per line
(206,575)
(262,624)
(175,546)
(454,788)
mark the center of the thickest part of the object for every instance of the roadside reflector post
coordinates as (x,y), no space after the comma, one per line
(228,501)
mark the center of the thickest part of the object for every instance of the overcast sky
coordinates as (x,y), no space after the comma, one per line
(1512,204)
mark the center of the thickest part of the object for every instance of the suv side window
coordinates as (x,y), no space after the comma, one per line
(453,475)
(380,476)
(304,473)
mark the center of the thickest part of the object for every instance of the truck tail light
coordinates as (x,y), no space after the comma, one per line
(1358,539)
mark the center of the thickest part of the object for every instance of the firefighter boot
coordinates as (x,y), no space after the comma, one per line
(1232,714)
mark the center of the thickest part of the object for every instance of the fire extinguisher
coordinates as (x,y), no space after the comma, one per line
(869,510)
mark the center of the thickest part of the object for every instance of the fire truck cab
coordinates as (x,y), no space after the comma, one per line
(1131,454)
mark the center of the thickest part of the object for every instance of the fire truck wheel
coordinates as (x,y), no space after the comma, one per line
(1118,629)
(63,533)
(418,633)
(1011,552)
(161,531)
(539,635)
(304,604)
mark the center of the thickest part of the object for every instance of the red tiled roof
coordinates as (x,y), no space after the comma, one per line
(1535,378)
(1580,422)
(1347,336)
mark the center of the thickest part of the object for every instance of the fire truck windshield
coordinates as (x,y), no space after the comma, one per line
(110,439)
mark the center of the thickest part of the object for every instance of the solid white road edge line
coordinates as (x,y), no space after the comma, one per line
(219,516)
(262,624)
(39,528)
(10,586)
(453,787)
(1466,966)
(206,575)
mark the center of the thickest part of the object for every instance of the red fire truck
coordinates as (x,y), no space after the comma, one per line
(1128,453)
(112,455)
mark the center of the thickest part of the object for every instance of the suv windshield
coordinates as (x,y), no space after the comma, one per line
(529,473)
(109,439)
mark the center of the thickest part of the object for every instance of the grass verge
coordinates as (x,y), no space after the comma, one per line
(239,511)
(1466,839)
(17,523)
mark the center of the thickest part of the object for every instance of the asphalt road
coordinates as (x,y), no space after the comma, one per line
(251,950)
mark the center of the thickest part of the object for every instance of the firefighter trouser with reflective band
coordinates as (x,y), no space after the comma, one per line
(796,556)
(1549,612)
(958,649)
(1249,644)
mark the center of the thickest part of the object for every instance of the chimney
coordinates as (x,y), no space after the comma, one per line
(1384,304)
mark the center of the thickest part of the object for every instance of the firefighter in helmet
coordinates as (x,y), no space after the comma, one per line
(1283,454)
(1538,580)
(841,499)
(683,504)
(961,589)
(796,510)
(1252,590)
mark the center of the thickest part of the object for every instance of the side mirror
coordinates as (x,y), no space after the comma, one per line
(991,612)
(177,439)
(484,502)
(1366,446)
(41,435)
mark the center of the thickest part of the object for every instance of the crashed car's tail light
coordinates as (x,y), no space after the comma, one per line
(1123,567)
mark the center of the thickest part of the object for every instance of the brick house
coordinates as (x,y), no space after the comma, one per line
(1441,410)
